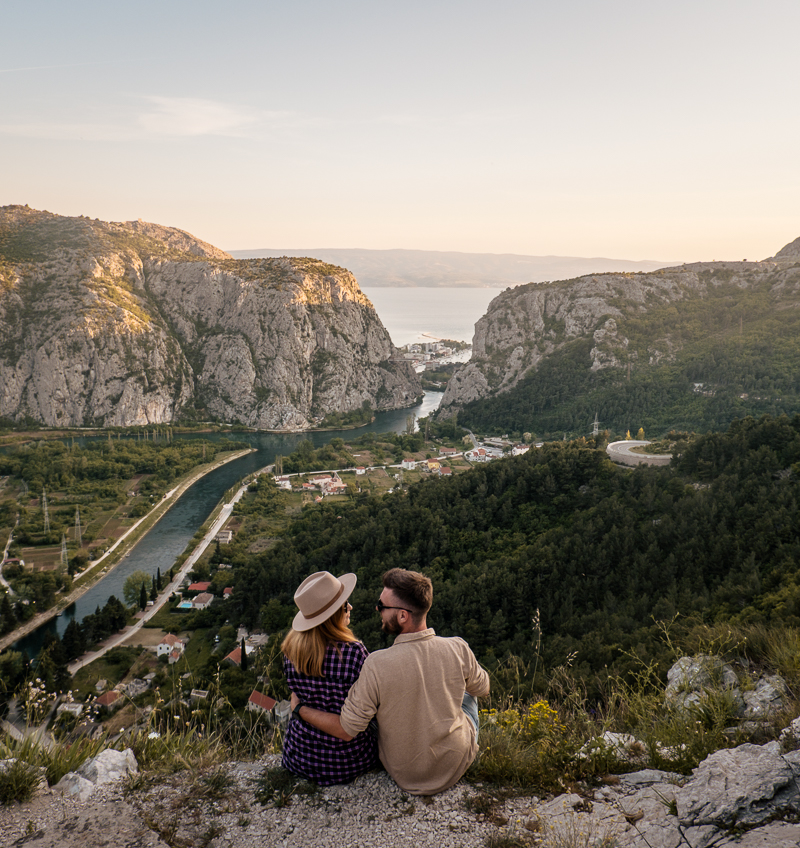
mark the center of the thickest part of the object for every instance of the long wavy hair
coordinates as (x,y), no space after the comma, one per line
(306,650)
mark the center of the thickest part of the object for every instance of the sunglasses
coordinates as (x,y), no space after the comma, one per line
(381,606)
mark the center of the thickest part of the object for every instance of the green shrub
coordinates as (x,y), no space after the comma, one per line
(18,781)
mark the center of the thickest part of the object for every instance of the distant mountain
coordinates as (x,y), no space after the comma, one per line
(131,323)
(434,268)
(691,347)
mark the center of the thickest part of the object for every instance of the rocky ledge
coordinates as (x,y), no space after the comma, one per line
(747,796)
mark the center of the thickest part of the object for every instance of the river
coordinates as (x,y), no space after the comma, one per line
(162,545)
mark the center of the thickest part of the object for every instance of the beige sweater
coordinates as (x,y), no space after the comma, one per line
(415,689)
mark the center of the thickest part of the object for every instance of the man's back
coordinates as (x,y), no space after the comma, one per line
(415,688)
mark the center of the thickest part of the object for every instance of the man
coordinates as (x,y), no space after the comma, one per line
(422,691)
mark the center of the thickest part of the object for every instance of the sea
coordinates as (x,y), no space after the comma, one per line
(427,314)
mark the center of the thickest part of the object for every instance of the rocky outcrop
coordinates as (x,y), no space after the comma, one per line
(526,324)
(121,324)
(746,797)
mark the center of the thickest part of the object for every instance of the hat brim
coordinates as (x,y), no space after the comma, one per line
(301,623)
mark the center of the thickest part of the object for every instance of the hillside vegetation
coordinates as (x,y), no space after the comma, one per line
(689,348)
(595,554)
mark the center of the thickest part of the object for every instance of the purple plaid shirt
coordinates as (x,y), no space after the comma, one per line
(311,753)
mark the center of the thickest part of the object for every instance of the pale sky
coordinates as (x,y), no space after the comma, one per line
(618,128)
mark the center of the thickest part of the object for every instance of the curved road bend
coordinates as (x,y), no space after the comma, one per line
(621,452)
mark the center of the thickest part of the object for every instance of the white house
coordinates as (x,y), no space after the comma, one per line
(202,601)
(168,643)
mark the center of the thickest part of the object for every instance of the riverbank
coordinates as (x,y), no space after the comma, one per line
(114,554)
(215,523)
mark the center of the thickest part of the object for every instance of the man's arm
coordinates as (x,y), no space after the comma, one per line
(326,722)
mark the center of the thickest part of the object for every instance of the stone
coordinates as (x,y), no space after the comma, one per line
(791,734)
(647,777)
(768,698)
(627,748)
(75,786)
(691,681)
(740,786)
(109,765)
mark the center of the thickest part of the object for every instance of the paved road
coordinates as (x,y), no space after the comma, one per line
(97,573)
(621,452)
(128,632)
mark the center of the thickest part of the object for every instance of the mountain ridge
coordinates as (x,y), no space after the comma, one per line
(133,323)
(580,345)
(432,268)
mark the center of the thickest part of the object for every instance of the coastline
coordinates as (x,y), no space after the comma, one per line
(98,569)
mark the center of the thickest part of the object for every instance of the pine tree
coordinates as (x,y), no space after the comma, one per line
(7,618)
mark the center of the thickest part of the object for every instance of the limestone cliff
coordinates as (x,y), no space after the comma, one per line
(526,324)
(134,323)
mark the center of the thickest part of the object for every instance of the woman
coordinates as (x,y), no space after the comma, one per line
(322,659)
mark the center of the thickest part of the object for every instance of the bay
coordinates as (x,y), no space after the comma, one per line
(426,314)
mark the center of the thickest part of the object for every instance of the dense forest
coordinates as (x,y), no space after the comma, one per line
(598,554)
(693,364)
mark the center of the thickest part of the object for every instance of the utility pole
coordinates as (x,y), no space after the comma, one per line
(46,513)
(63,549)
(78,535)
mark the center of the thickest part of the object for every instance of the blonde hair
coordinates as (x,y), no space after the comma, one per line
(306,649)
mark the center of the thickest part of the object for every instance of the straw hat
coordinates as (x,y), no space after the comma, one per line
(319,597)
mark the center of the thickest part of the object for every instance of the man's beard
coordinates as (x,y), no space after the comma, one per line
(390,625)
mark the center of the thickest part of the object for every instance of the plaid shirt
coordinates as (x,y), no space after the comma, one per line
(311,753)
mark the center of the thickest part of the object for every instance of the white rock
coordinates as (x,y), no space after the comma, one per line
(109,765)
(72,785)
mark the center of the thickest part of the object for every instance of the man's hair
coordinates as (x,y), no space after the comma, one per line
(413,589)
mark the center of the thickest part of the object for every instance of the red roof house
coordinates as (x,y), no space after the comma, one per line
(258,701)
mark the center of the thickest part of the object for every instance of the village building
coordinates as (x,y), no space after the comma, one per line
(224,537)
(169,643)
(136,687)
(258,702)
(74,709)
(199,587)
(109,700)
(202,601)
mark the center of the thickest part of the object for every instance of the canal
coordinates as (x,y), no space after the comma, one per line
(167,540)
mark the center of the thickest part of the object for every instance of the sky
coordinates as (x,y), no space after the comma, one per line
(616,128)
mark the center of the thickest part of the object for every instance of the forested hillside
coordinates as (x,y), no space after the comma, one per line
(689,348)
(601,553)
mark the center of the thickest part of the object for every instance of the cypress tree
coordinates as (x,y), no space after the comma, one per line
(243,664)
